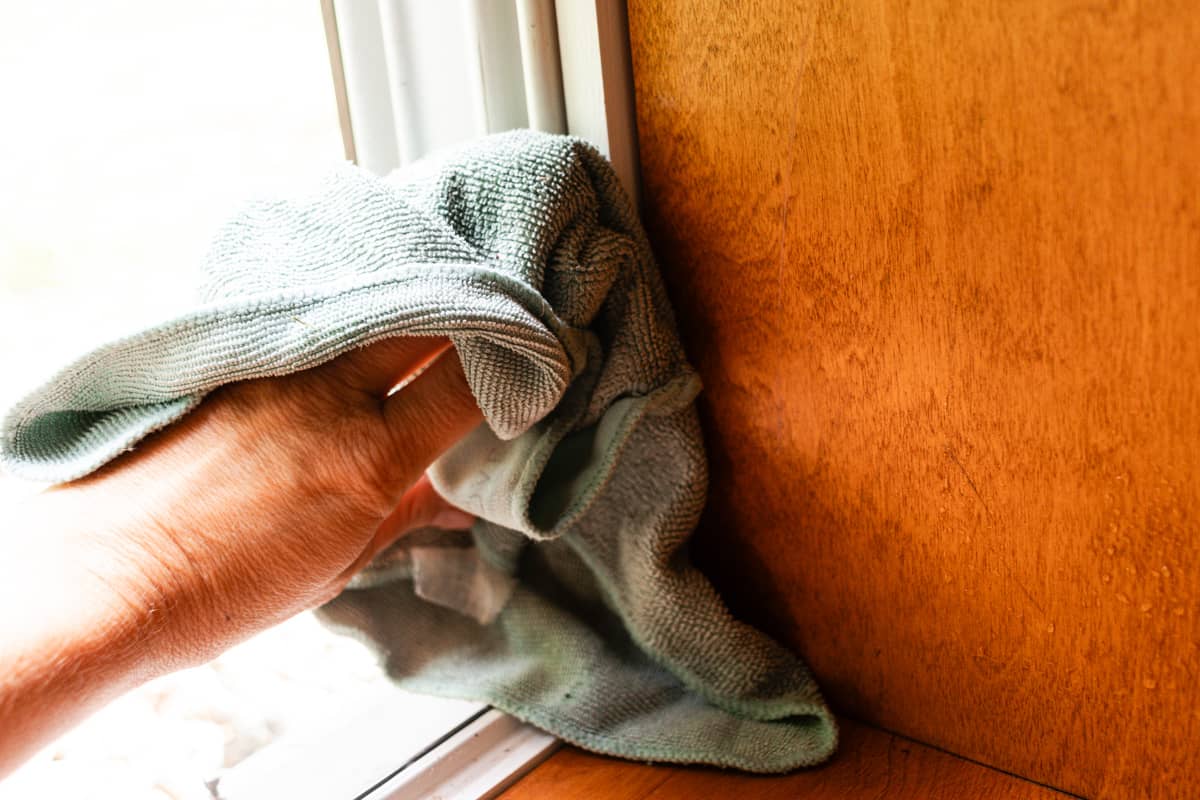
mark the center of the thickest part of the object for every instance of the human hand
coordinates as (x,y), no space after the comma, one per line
(272,494)
(262,502)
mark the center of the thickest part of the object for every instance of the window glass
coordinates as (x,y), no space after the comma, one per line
(131,128)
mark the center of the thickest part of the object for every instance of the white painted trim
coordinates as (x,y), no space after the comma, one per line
(593,38)
(423,74)
(494,62)
(393,745)
(483,759)
(344,757)
(396,77)
(541,66)
(365,69)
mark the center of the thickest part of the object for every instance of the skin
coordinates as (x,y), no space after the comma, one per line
(260,504)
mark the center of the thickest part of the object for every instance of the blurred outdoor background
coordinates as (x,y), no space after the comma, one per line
(130,129)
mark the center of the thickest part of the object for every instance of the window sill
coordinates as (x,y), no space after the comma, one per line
(393,745)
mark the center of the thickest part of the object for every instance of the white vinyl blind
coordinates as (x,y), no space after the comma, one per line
(417,75)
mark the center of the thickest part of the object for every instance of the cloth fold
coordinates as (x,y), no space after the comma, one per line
(580,611)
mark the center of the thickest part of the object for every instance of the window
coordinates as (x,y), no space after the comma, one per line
(133,128)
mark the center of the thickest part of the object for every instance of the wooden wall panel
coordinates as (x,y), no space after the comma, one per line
(939,265)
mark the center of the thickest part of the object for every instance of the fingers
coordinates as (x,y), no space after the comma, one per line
(379,367)
(420,507)
(430,413)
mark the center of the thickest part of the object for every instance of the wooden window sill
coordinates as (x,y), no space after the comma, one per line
(870,764)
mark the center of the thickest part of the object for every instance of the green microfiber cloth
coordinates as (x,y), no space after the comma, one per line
(572,604)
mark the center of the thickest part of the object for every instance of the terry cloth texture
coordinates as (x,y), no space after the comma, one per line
(576,608)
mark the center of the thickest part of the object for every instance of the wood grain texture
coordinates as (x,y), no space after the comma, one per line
(871,765)
(572,773)
(939,266)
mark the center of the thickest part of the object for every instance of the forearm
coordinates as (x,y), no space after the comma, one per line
(79,624)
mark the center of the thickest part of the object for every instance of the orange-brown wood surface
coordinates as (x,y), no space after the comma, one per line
(872,765)
(939,265)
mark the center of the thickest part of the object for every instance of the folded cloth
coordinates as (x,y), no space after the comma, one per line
(572,603)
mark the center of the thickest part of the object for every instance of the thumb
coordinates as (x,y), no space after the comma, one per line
(420,507)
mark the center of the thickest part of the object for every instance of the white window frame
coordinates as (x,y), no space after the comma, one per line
(561,66)
(391,745)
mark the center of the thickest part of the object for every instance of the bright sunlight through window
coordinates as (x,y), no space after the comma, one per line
(131,128)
